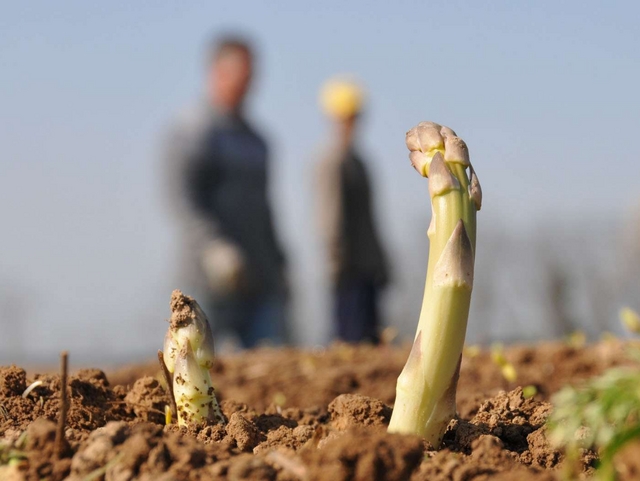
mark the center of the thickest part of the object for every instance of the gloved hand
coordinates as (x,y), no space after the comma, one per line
(224,265)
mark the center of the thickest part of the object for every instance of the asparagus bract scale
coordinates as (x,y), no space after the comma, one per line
(425,392)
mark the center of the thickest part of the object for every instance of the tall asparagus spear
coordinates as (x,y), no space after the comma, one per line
(426,389)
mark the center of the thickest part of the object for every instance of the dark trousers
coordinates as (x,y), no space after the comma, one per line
(356,311)
(252,320)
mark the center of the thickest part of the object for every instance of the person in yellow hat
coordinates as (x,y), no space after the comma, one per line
(356,259)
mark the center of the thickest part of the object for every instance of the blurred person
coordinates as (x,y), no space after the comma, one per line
(218,167)
(357,262)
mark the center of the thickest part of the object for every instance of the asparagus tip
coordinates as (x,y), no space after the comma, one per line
(446,131)
(181,309)
(186,313)
(455,150)
(441,179)
(425,137)
(428,124)
(420,162)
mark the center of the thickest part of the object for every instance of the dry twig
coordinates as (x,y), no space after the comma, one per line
(64,403)
(169,381)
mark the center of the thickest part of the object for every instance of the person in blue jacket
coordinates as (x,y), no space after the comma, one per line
(218,169)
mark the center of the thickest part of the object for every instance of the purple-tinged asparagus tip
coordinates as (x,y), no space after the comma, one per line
(456,151)
(447,132)
(441,180)
(424,137)
(420,162)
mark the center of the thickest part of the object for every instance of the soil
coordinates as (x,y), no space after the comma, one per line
(298,415)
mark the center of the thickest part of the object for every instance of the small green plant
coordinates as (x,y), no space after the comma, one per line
(602,414)
(425,392)
(188,355)
(630,319)
(11,453)
(507,369)
(577,339)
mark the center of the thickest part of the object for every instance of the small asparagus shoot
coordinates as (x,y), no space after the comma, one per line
(188,355)
(426,389)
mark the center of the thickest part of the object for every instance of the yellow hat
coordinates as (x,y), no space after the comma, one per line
(341,98)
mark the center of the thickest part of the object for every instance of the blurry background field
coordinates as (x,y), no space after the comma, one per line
(544,94)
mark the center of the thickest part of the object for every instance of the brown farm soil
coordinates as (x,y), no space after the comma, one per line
(298,415)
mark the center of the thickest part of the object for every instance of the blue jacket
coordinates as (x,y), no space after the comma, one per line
(218,179)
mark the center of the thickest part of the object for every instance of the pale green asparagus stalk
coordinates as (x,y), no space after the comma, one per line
(188,355)
(425,392)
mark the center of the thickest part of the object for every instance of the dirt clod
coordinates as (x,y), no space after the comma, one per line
(250,468)
(245,433)
(13,381)
(147,399)
(349,410)
(360,454)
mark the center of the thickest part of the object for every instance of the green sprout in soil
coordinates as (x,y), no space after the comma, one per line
(11,453)
(529,391)
(426,388)
(471,351)
(630,319)
(603,414)
(577,339)
(188,355)
(507,369)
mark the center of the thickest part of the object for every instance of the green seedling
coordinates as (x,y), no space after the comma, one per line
(11,453)
(188,356)
(577,339)
(603,414)
(507,369)
(529,391)
(31,387)
(99,473)
(426,388)
(471,351)
(630,319)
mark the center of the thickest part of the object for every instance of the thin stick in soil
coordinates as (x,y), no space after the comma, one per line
(64,403)
(169,381)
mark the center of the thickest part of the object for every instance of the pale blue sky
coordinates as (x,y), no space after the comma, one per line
(545,94)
